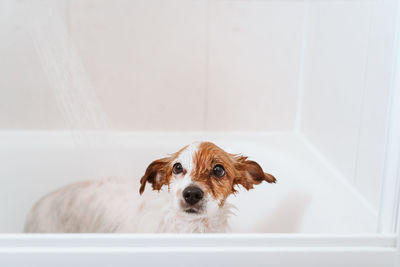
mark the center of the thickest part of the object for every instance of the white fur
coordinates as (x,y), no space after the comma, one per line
(114,205)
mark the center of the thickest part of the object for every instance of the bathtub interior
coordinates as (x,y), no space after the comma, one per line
(309,197)
(304,88)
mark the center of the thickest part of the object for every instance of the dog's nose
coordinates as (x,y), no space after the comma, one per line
(192,195)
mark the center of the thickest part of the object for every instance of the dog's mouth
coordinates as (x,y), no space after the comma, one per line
(192,211)
(198,208)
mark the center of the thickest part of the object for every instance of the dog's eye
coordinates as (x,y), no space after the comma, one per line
(218,171)
(177,168)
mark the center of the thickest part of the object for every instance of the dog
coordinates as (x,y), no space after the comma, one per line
(190,188)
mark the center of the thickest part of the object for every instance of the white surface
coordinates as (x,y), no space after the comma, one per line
(26,99)
(198,250)
(347,75)
(334,79)
(147,60)
(389,208)
(310,257)
(164,62)
(309,197)
(254,52)
(378,86)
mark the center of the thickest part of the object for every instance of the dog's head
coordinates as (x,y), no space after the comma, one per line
(201,176)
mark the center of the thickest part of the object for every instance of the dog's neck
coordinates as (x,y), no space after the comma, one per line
(179,222)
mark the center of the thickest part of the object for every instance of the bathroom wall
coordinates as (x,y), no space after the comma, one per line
(26,99)
(346,87)
(164,65)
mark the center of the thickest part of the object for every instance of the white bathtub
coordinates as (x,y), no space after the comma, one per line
(312,214)
(309,197)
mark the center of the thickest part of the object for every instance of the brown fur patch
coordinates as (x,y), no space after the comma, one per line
(251,173)
(238,170)
(207,156)
(159,172)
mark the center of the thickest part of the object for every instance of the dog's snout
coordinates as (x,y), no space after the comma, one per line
(192,195)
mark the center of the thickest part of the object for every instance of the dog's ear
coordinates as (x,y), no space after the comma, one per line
(250,173)
(156,174)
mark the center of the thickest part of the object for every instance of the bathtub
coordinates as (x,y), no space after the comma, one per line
(311,216)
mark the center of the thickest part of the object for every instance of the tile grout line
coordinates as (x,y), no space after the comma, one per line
(361,115)
(300,86)
(68,17)
(207,66)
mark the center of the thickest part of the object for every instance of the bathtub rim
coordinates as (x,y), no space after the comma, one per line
(208,249)
(195,241)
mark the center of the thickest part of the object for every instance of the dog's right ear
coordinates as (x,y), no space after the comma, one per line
(156,174)
(250,173)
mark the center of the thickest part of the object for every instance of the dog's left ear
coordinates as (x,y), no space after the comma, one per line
(250,173)
(156,174)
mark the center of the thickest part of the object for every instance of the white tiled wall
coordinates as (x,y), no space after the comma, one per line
(26,99)
(147,60)
(347,80)
(168,65)
(334,79)
(254,52)
(378,81)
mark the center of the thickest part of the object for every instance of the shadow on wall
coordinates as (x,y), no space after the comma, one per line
(287,215)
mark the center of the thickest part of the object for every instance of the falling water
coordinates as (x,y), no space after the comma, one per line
(74,92)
